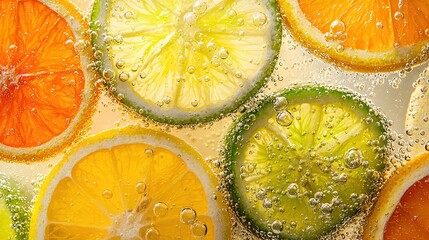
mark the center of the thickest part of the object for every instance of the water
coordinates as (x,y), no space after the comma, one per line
(399,95)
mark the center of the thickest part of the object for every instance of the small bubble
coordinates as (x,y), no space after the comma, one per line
(240,22)
(123,76)
(160,209)
(326,208)
(190,18)
(149,152)
(107,194)
(215,61)
(280,103)
(188,215)
(194,103)
(223,53)
(398,16)
(261,194)
(337,26)
(69,44)
(211,46)
(119,39)
(259,19)
(232,13)
(284,118)
(120,64)
(167,100)
(379,25)
(277,227)
(191,69)
(354,158)
(108,74)
(340,48)
(267,203)
(140,187)
(199,229)
(79,46)
(120,96)
(292,190)
(128,15)
(427,146)
(427,31)
(152,234)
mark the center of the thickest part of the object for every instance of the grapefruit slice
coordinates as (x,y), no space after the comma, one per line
(402,210)
(46,91)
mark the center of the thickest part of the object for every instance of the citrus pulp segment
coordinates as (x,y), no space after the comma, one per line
(45,89)
(130,183)
(361,35)
(186,61)
(401,211)
(304,161)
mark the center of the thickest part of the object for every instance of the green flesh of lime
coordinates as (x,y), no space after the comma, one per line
(306,161)
(186,61)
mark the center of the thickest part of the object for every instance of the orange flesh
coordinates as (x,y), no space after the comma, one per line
(361,17)
(41,83)
(410,220)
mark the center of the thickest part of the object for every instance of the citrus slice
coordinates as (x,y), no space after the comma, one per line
(130,183)
(402,211)
(305,161)
(45,88)
(361,35)
(185,62)
(14,210)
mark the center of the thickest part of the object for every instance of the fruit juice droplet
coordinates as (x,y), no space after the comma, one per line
(354,158)
(160,209)
(107,194)
(140,187)
(199,229)
(152,234)
(284,118)
(277,227)
(188,215)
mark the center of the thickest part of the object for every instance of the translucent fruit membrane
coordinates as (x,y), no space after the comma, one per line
(410,220)
(390,92)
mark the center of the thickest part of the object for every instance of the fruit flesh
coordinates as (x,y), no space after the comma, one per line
(374,26)
(300,173)
(103,198)
(40,77)
(410,220)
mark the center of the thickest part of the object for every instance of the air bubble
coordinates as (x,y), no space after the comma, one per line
(191,69)
(128,15)
(379,25)
(337,26)
(240,22)
(326,208)
(223,53)
(149,152)
(399,16)
(354,158)
(108,74)
(188,215)
(194,103)
(199,229)
(267,203)
(79,46)
(123,76)
(120,96)
(140,187)
(292,190)
(340,48)
(120,64)
(152,234)
(277,227)
(427,31)
(160,209)
(107,194)
(427,146)
(211,46)
(232,13)
(190,18)
(259,19)
(280,103)
(284,118)
(69,44)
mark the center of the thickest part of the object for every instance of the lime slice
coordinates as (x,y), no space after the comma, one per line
(304,161)
(183,61)
(14,210)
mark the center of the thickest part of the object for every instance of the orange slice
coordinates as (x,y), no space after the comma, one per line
(130,183)
(402,210)
(361,35)
(45,89)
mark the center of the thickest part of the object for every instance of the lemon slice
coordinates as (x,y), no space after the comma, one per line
(130,183)
(185,62)
(305,161)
